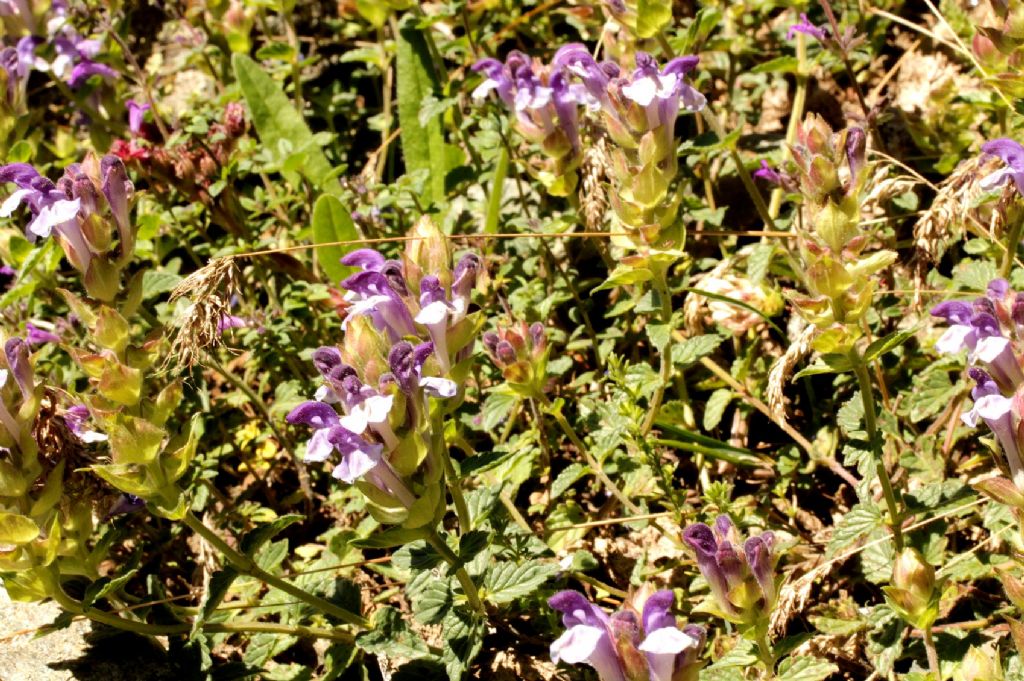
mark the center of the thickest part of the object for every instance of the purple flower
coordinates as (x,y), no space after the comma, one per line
(622,646)
(136,115)
(1012,154)
(668,649)
(125,504)
(7,277)
(359,459)
(77,419)
(50,207)
(807,28)
(588,637)
(742,583)
(768,174)
(17,355)
(37,336)
(372,294)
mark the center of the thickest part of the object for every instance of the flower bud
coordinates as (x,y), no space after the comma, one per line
(913,594)
(981,663)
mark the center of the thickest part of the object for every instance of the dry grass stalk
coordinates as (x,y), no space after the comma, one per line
(594,170)
(944,220)
(210,289)
(782,369)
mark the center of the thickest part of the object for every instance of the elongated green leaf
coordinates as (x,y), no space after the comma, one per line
(422,146)
(333,222)
(886,344)
(494,202)
(277,121)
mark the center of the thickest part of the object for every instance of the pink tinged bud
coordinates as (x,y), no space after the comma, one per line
(506,353)
(758,552)
(538,337)
(136,115)
(856,144)
(117,188)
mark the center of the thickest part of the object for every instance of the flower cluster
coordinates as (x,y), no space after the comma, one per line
(637,109)
(522,356)
(634,643)
(742,582)
(73,56)
(830,171)
(408,334)
(83,211)
(987,328)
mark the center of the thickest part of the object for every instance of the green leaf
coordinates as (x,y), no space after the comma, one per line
(692,349)
(806,668)
(652,16)
(422,145)
(660,335)
(932,392)
(155,282)
(392,636)
(506,582)
(715,407)
(785,64)
(395,536)
(102,588)
(624,275)
(463,637)
(277,121)
(566,479)
(886,344)
(254,539)
(860,521)
(332,222)
(17,529)
(433,600)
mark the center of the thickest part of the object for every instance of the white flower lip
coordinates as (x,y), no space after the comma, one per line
(434,313)
(12,202)
(953,340)
(54,215)
(577,644)
(438,387)
(990,347)
(667,641)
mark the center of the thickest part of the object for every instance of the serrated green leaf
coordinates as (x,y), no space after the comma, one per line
(422,145)
(433,600)
(392,636)
(693,349)
(856,524)
(508,581)
(332,222)
(933,392)
(566,479)
(463,638)
(155,282)
(394,536)
(806,668)
(660,335)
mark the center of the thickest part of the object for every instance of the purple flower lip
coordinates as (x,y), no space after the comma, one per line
(807,28)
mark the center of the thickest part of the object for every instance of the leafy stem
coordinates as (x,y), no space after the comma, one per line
(594,464)
(764,651)
(867,396)
(1012,241)
(933,656)
(660,284)
(454,480)
(468,586)
(246,566)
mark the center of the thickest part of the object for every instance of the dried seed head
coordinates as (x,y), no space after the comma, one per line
(594,170)
(210,289)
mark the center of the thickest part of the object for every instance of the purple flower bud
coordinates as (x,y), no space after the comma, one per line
(807,28)
(394,272)
(403,366)
(118,189)
(856,145)
(36,336)
(505,352)
(985,384)
(136,115)
(364,258)
(954,311)
(125,504)
(701,539)
(18,362)
(997,289)
(538,337)
(314,414)
(464,276)
(768,174)
(87,68)
(758,552)
(490,341)
(325,359)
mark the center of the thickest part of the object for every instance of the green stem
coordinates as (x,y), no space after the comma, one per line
(468,586)
(454,481)
(1012,241)
(594,464)
(665,370)
(933,656)
(765,653)
(748,182)
(867,396)
(114,620)
(246,566)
